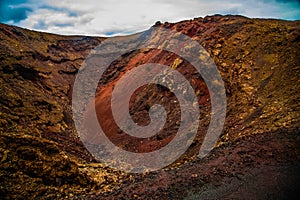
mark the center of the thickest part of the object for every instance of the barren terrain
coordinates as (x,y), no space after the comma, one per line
(256,157)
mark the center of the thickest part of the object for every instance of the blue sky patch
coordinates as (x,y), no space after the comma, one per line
(13,10)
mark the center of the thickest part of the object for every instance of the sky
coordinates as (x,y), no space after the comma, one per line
(122,17)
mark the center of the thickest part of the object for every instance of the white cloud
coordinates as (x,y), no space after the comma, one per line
(102,17)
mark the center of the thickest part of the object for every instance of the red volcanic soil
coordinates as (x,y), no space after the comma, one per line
(256,169)
(256,157)
(147,96)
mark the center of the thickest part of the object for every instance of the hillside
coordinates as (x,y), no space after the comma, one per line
(257,155)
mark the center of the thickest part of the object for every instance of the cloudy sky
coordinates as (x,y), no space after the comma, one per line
(120,17)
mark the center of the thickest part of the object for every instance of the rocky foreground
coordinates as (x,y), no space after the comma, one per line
(256,157)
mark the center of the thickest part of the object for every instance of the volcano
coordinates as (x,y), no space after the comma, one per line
(42,155)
